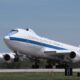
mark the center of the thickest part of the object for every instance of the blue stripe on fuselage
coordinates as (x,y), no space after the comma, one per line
(37,43)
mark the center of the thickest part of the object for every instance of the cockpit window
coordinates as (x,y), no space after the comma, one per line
(27,29)
(12,32)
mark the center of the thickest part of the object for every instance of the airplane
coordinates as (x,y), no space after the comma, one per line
(26,41)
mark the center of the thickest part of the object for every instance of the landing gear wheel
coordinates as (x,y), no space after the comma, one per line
(36,63)
(35,66)
(16,59)
(49,66)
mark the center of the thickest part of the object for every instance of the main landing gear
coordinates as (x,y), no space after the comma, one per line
(16,59)
(36,63)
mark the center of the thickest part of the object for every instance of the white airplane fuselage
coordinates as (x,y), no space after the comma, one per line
(29,43)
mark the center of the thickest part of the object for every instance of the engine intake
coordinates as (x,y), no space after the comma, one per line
(7,57)
(72,55)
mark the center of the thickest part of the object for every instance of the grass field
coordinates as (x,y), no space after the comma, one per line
(37,76)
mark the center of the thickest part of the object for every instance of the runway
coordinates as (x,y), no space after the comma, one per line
(31,70)
(36,70)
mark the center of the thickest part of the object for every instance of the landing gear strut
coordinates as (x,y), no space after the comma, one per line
(16,59)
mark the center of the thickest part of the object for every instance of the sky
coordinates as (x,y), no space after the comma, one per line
(55,19)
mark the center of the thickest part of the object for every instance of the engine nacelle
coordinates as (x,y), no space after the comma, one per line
(7,57)
(11,58)
(72,55)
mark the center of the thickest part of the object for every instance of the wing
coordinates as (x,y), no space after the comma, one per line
(60,54)
(53,52)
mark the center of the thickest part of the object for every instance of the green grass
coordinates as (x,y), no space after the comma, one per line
(37,76)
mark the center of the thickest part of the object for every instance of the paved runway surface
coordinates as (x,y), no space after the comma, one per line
(36,70)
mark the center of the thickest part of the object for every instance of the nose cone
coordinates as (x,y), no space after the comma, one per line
(7,41)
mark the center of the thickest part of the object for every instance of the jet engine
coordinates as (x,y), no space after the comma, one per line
(72,55)
(10,58)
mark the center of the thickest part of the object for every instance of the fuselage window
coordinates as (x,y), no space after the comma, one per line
(12,32)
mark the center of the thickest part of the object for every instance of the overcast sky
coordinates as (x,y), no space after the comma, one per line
(55,19)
